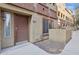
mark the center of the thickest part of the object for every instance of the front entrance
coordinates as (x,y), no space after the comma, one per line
(20,28)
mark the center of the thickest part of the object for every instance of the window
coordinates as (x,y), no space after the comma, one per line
(67,18)
(7,29)
(58,13)
(54,4)
(61,14)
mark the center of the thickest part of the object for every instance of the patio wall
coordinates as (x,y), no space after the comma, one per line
(59,35)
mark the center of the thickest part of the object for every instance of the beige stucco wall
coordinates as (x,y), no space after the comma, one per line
(35,25)
(35,28)
(69,15)
(61,8)
(59,35)
(9,41)
(6,42)
(68,34)
(56,24)
(51,6)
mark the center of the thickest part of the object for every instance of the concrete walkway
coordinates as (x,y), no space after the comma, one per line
(72,48)
(24,49)
(50,46)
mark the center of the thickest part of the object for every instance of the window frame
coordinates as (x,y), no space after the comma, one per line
(7,24)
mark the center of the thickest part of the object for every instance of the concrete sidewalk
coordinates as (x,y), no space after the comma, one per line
(72,48)
(51,46)
(24,49)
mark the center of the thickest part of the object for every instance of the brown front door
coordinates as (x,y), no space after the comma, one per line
(20,27)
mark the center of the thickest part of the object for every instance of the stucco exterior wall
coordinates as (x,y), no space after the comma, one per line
(35,28)
(51,6)
(60,35)
(69,15)
(61,9)
(64,15)
(35,25)
(56,35)
(56,24)
(6,42)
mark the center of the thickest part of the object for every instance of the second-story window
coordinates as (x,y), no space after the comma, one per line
(61,14)
(58,13)
(67,18)
(53,4)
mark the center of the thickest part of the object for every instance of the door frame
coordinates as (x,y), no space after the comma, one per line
(28,27)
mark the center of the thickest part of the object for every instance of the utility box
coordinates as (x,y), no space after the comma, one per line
(60,35)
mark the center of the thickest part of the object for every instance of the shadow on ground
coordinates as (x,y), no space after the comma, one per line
(51,46)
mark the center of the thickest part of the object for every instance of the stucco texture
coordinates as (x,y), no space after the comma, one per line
(59,35)
(35,28)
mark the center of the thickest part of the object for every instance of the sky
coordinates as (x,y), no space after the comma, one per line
(72,6)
